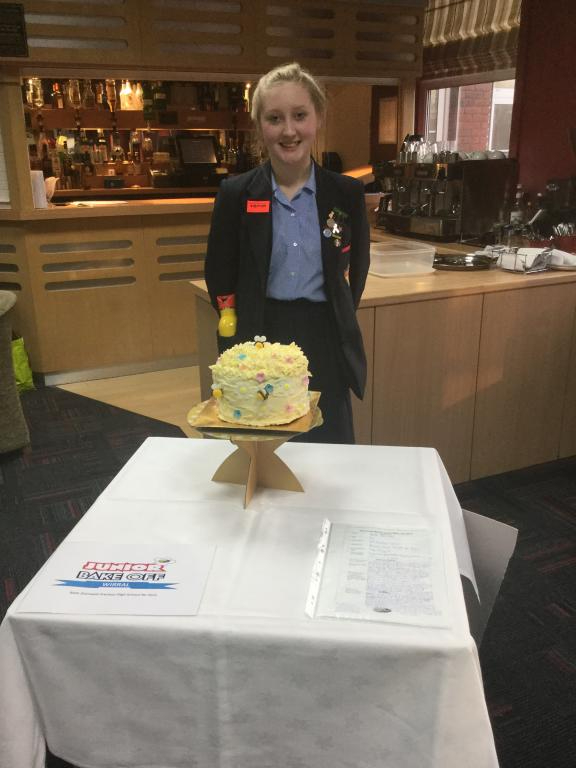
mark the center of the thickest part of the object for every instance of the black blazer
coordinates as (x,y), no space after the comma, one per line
(240,244)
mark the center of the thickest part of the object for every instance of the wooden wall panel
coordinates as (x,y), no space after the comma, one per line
(425,361)
(84,32)
(174,251)
(336,38)
(14,276)
(228,36)
(522,370)
(384,38)
(89,291)
(362,409)
(219,36)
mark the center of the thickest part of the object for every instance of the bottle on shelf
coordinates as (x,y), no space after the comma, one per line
(27,92)
(73,96)
(147,150)
(36,92)
(57,97)
(159,96)
(102,147)
(135,147)
(223,94)
(247,98)
(100,96)
(138,96)
(111,96)
(127,96)
(118,154)
(46,163)
(55,160)
(147,101)
(88,96)
(236,97)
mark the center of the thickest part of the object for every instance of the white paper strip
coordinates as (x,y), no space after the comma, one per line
(317,570)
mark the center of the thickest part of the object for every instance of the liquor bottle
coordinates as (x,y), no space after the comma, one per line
(135,147)
(37,92)
(138,97)
(236,97)
(247,97)
(57,97)
(88,96)
(118,154)
(159,96)
(46,163)
(147,149)
(102,147)
(111,94)
(27,88)
(55,160)
(73,94)
(100,96)
(147,101)
(126,95)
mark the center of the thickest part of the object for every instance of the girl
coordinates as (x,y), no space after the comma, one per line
(289,246)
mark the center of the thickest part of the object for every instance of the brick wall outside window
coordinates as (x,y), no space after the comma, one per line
(474,117)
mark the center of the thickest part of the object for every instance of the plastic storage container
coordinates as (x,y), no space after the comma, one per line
(401,259)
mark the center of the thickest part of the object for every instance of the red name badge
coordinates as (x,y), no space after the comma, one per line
(258,206)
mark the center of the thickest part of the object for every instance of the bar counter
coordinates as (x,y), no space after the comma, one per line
(85,209)
(479,365)
(103,287)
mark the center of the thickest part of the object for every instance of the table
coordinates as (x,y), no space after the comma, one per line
(250,682)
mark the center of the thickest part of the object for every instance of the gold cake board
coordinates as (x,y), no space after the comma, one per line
(254,462)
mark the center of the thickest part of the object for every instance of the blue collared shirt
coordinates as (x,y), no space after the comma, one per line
(296,260)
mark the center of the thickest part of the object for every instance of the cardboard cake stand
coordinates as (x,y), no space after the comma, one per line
(254,462)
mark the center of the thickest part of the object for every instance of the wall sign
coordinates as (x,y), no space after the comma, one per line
(13,39)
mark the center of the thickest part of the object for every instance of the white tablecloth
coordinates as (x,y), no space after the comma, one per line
(250,682)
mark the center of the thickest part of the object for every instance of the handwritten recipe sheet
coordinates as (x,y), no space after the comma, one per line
(393,574)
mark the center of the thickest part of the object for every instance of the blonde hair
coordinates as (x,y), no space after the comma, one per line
(288,73)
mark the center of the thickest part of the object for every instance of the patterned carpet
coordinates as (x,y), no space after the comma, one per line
(528,654)
(529,651)
(77,446)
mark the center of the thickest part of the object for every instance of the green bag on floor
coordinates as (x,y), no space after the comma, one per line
(22,370)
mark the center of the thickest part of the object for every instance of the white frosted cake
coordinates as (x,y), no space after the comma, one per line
(261,384)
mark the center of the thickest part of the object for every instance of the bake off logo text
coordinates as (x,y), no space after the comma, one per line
(97,574)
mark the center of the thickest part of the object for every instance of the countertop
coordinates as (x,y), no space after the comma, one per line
(439,284)
(127,208)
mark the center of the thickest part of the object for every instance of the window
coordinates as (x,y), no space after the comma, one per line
(471,118)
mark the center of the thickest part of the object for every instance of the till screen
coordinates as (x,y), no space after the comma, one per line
(197,151)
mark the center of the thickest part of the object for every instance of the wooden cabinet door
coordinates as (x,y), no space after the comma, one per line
(425,365)
(362,409)
(568,436)
(522,374)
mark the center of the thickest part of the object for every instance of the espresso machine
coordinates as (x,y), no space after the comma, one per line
(455,200)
